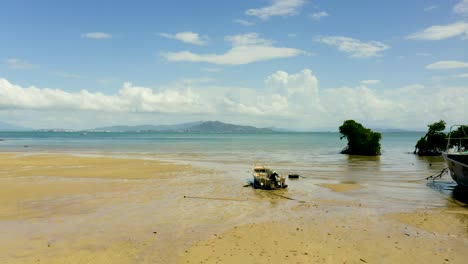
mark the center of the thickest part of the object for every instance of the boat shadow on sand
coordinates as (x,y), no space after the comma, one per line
(450,188)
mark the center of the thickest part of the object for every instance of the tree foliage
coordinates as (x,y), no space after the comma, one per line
(361,140)
(459,138)
(434,142)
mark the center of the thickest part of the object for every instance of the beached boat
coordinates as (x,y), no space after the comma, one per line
(456,155)
(265,178)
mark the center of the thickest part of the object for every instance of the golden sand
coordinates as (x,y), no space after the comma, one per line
(328,239)
(85,167)
(53,202)
(59,208)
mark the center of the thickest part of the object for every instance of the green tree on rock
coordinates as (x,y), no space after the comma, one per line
(361,140)
(434,142)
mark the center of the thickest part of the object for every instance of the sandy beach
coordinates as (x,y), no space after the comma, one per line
(61,208)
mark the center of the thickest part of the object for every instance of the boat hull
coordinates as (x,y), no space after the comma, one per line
(458,166)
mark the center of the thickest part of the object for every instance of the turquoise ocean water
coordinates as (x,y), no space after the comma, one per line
(152,142)
(315,156)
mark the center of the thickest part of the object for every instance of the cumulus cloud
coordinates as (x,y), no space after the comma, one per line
(187,37)
(301,83)
(244,22)
(129,98)
(97,35)
(440,32)
(429,8)
(248,39)
(20,64)
(246,48)
(446,65)
(355,47)
(319,15)
(292,100)
(461,75)
(461,7)
(370,81)
(277,8)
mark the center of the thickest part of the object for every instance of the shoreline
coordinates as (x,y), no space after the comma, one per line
(66,208)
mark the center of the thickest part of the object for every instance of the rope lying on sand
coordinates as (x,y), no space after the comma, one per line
(240,200)
(437,175)
(285,197)
(217,198)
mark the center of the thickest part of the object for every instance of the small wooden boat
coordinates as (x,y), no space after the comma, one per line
(265,178)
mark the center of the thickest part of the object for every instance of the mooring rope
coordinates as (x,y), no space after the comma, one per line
(240,200)
(217,198)
(437,175)
(285,197)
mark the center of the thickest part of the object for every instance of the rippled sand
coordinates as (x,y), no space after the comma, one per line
(59,208)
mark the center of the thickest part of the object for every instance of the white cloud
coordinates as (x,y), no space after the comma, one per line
(319,15)
(129,98)
(355,47)
(244,22)
(370,81)
(445,65)
(277,8)
(429,8)
(442,32)
(302,83)
(19,64)
(461,7)
(187,37)
(462,75)
(97,35)
(292,100)
(248,39)
(247,48)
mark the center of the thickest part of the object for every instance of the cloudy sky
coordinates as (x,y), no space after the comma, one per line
(298,64)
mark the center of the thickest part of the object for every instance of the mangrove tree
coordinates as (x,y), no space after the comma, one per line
(361,140)
(434,142)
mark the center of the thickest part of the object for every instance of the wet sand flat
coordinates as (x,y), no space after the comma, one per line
(342,187)
(332,238)
(71,209)
(59,208)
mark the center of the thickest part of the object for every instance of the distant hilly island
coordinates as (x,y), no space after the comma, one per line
(194,127)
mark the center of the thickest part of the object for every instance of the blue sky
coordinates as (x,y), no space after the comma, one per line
(302,64)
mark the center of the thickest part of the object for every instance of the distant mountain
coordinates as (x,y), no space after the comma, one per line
(195,127)
(219,127)
(280,129)
(146,127)
(8,127)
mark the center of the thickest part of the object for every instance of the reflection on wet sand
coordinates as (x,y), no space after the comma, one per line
(68,209)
